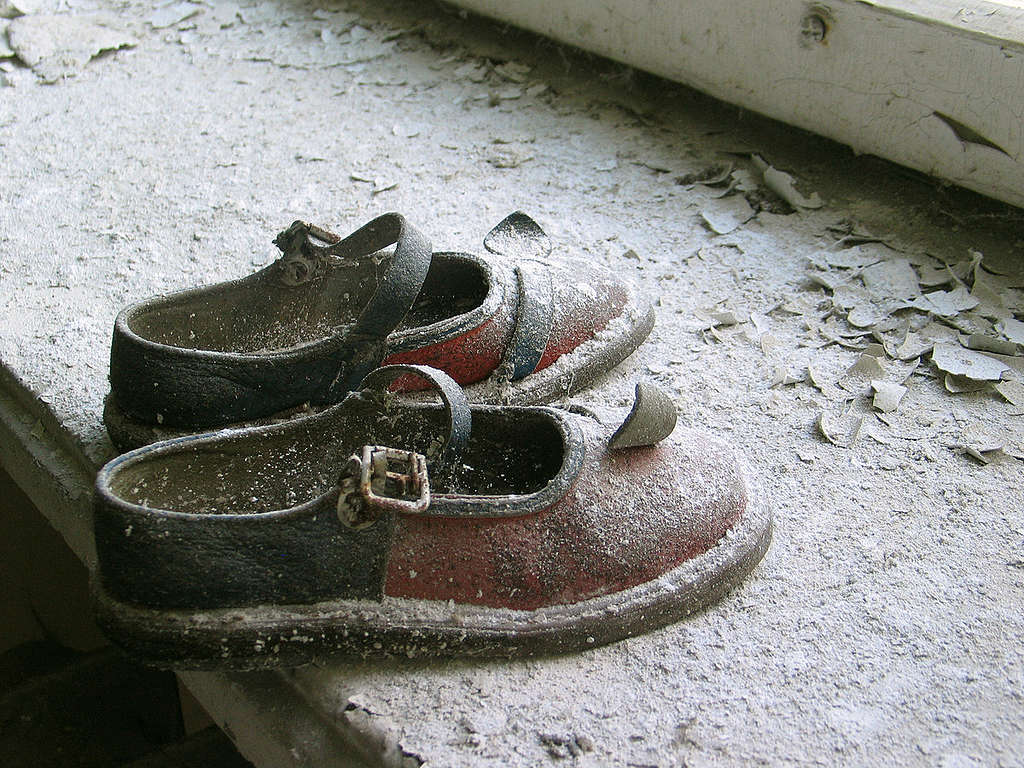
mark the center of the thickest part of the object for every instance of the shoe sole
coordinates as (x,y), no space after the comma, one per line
(264,637)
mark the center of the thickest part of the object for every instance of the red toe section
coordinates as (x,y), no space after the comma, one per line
(586,300)
(632,516)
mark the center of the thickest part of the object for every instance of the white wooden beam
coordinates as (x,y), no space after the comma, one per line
(931,84)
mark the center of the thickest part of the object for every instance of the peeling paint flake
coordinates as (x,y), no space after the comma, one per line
(968,135)
(726,214)
(57,47)
(954,359)
(895,279)
(783,185)
(842,430)
(172,14)
(1012,392)
(946,303)
(1011,329)
(888,395)
(859,377)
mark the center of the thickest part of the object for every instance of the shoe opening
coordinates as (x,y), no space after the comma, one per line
(511,452)
(454,286)
(259,314)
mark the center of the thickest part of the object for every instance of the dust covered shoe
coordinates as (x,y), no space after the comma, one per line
(385,526)
(307,328)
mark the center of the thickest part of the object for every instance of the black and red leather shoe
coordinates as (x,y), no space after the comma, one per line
(383,526)
(305,330)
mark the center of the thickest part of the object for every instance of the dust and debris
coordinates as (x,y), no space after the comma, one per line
(876,290)
(745,181)
(849,231)
(933,275)
(829,623)
(58,47)
(984,343)
(764,189)
(357,33)
(378,184)
(475,72)
(819,377)
(711,176)
(851,258)
(858,377)
(985,444)
(946,303)
(408,130)
(560,746)
(224,15)
(894,280)
(522,138)
(958,385)
(338,42)
(513,71)
(783,376)
(915,344)
(866,378)
(725,316)
(378,735)
(507,94)
(507,157)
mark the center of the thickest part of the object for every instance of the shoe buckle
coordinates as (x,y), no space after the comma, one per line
(381,479)
(301,262)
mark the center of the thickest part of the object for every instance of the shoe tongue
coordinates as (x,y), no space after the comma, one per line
(518,237)
(652,418)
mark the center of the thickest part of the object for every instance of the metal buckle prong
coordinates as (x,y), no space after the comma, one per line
(381,479)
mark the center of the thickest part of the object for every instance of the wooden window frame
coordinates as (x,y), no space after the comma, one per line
(934,85)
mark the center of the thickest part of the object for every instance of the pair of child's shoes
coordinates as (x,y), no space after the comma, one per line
(351,520)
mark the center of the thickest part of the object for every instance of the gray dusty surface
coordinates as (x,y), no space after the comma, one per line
(883,627)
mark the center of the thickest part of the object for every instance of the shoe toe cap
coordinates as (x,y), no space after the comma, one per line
(586,300)
(631,517)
